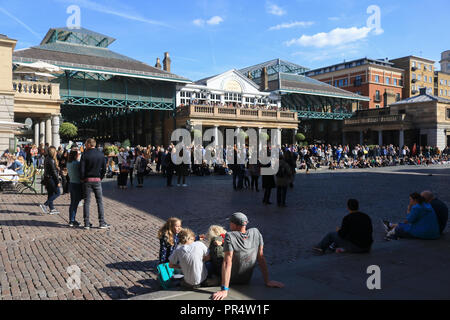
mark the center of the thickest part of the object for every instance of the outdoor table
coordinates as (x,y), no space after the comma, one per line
(8,176)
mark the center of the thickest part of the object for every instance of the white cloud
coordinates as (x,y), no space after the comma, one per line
(199,22)
(336,37)
(274,9)
(292,25)
(215,21)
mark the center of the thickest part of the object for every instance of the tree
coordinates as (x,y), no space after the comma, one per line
(68,131)
(300,137)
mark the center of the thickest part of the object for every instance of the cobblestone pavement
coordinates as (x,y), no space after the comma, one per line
(36,250)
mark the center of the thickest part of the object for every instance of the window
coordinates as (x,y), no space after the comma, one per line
(413,76)
(419,65)
(397,97)
(425,79)
(377,96)
(448,113)
(388,80)
(335,83)
(341,83)
(395,82)
(430,80)
(358,81)
(377,106)
(441,92)
(419,77)
(413,63)
(377,79)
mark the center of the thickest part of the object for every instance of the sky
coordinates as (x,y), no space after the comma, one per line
(208,37)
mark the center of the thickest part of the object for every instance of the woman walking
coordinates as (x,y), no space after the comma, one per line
(51,182)
(73,170)
(283,180)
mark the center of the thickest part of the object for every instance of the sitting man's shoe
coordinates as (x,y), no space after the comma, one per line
(318,251)
(340,250)
(387,226)
(104,225)
(73,224)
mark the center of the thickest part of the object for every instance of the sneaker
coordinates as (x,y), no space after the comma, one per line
(81,204)
(185,185)
(332,246)
(53,212)
(73,224)
(44,209)
(87,226)
(104,225)
(340,250)
(387,226)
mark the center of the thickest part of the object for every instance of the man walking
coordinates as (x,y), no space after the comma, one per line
(92,171)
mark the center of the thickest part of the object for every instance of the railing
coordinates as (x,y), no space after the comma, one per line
(237,113)
(376,120)
(31,89)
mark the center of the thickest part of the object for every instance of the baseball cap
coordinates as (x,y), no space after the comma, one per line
(239,219)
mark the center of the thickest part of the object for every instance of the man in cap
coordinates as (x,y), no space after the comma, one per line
(242,248)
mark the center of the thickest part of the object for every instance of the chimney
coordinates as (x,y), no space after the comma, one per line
(167,62)
(264,79)
(249,75)
(423,91)
(158,64)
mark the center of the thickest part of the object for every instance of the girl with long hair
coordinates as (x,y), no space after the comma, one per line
(168,238)
(51,182)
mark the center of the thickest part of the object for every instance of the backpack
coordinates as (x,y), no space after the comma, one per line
(142,165)
(165,275)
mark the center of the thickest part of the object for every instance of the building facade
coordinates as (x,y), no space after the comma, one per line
(376,79)
(419,73)
(442,84)
(445,61)
(423,120)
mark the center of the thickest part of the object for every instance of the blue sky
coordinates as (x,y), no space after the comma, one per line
(207,37)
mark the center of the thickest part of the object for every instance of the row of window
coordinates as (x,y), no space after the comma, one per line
(443,82)
(419,78)
(444,93)
(418,65)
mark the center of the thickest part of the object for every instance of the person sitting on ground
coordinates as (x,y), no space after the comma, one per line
(242,249)
(190,257)
(421,221)
(439,207)
(216,238)
(168,238)
(354,236)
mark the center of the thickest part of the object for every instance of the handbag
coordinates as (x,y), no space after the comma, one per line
(165,274)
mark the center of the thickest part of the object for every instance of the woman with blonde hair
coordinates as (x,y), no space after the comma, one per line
(216,238)
(168,238)
(51,181)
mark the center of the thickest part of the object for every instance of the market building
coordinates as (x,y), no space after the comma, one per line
(107,95)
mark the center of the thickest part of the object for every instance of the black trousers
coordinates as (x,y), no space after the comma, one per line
(281,195)
(267,192)
(254,183)
(169,175)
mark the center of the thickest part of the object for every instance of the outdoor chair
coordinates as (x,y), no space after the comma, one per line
(27,181)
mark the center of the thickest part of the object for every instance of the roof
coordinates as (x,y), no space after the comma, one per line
(283,66)
(302,84)
(71,56)
(65,34)
(352,64)
(234,71)
(415,57)
(421,99)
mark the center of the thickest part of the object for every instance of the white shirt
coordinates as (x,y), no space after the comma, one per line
(190,259)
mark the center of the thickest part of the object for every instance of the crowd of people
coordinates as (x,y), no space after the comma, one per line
(237,105)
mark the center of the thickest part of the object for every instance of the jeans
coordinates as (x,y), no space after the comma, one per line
(88,188)
(281,195)
(53,192)
(254,182)
(75,198)
(333,237)
(140,178)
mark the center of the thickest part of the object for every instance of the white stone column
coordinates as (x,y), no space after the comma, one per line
(216,135)
(380,137)
(55,131)
(42,132)
(401,138)
(279,130)
(259,140)
(294,134)
(48,131)
(36,133)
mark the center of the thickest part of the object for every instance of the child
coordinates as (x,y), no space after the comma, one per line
(189,256)
(216,237)
(168,238)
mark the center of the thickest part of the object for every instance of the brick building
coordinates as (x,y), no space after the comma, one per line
(377,79)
